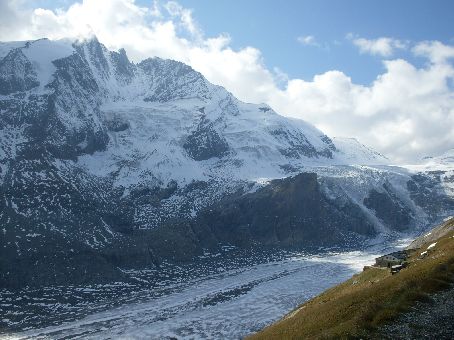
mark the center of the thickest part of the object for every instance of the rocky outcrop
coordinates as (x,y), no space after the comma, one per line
(389,208)
(16,73)
(287,212)
(204,142)
(302,148)
(427,191)
(172,80)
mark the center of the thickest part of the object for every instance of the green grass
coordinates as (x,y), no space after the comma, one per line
(369,299)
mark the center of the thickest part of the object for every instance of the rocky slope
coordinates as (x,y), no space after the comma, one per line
(107,164)
(434,234)
(426,320)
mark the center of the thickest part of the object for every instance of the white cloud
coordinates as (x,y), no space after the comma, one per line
(406,113)
(185,17)
(435,51)
(307,40)
(383,46)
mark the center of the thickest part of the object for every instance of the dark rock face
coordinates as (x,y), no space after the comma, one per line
(16,73)
(122,65)
(389,208)
(426,192)
(34,213)
(73,76)
(153,195)
(117,125)
(205,143)
(93,51)
(303,148)
(287,212)
(38,114)
(172,80)
(329,143)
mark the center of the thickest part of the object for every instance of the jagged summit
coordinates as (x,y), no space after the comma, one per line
(101,101)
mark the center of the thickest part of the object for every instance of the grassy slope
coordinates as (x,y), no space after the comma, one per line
(369,299)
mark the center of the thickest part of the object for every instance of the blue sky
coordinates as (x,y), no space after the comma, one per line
(273,28)
(379,71)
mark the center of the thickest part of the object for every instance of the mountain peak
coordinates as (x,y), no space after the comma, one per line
(94,85)
(354,152)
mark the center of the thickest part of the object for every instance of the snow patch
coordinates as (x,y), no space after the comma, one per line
(432,245)
(42,52)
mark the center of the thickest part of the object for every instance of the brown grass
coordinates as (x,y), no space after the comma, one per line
(356,307)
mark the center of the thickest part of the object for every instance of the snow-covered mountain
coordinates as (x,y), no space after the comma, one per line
(351,151)
(103,102)
(118,164)
(444,160)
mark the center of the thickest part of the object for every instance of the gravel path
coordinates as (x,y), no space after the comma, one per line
(432,320)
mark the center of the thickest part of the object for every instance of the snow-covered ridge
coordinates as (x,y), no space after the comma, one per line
(354,152)
(447,158)
(443,162)
(167,118)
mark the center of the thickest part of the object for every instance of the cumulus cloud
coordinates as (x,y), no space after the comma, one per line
(435,51)
(383,46)
(406,113)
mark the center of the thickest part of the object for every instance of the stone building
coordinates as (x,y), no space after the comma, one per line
(392,259)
